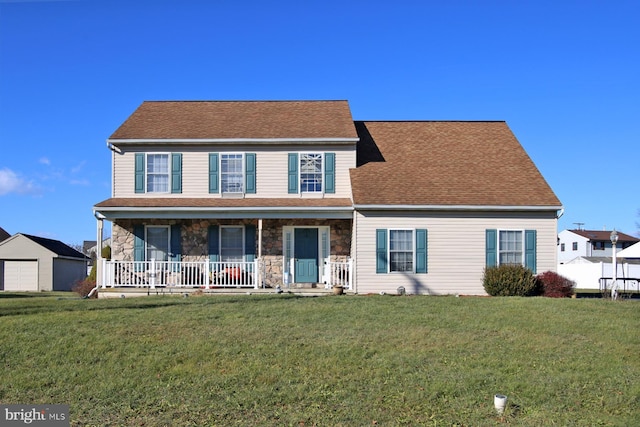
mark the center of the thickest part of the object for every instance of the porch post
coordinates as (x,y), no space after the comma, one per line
(98,261)
(260,238)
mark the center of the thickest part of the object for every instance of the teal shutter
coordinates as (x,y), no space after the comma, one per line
(250,173)
(381,251)
(214,247)
(293,173)
(138,247)
(176,173)
(530,237)
(214,174)
(329,172)
(421,251)
(491,248)
(176,243)
(139,173)
(249,243)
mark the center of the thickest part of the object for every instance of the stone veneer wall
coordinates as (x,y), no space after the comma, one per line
(195,240)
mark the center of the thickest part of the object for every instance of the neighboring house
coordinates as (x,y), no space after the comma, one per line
(3,234)
(295,193)
(589,243)
(630,252)
(31,263)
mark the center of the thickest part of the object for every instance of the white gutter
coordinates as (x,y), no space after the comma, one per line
(455,207)
(155,141)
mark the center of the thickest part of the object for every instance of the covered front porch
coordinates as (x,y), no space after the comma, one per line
(211,275)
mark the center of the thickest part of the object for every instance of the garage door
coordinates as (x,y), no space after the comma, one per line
(21,275)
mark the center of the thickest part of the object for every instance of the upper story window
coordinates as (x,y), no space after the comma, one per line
(561,247)
(157,173)
(510,247)
(574,246)
(598,246)
(311,172)
(232,173)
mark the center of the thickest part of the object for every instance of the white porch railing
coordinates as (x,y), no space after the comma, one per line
(203,274)
(339,274)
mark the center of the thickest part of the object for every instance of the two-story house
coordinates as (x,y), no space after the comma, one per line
(589,243)
(295,193)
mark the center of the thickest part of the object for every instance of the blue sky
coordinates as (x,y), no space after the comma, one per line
(565,75)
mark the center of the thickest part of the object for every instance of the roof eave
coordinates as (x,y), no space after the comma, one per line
(331,212)
(196,141)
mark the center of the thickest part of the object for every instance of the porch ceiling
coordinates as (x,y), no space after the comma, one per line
(159,207)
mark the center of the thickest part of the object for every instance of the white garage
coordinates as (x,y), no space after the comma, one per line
(31,263)
(21,275)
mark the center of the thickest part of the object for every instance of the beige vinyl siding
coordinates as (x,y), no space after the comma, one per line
(455,250)
(271,170)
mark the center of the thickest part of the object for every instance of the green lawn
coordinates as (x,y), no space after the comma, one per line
(278,360)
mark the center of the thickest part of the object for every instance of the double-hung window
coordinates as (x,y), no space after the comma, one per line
(231,244)
(311,172)
(232,173)
(401,250)
(510,247)
(157,173)
(157,247)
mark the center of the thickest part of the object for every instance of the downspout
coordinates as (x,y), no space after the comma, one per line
(354,250)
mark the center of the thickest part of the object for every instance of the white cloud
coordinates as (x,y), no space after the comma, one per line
(10,182)
(44,161)
(83,182)
(78,167)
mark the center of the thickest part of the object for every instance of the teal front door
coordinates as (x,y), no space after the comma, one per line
(306,255)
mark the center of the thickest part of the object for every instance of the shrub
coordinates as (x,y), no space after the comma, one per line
(83,287)
(106,253)
(554,285)
(509,280)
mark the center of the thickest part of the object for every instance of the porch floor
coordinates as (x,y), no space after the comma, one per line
(129,292)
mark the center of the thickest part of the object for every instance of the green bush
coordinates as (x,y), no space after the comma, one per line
(510,280)
(106,254)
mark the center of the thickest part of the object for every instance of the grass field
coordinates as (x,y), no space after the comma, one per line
(276,360)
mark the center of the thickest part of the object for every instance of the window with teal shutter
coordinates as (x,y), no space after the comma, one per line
(214,174)
(176,173)
(139,173)
(491,248)
(530,237)
(381,251)
(329,172)
(250,173)
(293,173)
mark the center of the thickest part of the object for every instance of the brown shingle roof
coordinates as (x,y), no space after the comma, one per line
(445,163)
(210,202)
(604,235)
(238,120)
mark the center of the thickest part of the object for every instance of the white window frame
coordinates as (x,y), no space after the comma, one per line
(147,174)
(227,227)
(413,250)
(146,241)
(300,172)
(242,173)
(505,251)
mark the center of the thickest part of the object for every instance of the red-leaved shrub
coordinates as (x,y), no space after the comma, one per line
(84,287)
(553,285)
